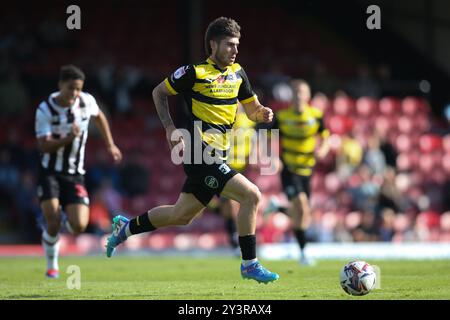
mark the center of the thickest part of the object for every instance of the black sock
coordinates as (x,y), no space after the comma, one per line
(230,226)
(141,224)
(301,238)
(248,247)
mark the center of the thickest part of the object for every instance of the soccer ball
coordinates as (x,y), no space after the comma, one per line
(357,278)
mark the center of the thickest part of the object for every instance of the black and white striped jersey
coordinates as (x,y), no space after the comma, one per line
(56,121)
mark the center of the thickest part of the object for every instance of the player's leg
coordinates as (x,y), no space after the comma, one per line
(301,218)
(48,190)
(182,212)
(240,189)
(228,208)
(50,235)
(77,217)
(75,202)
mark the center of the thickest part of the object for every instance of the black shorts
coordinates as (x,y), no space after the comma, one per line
(69,189)
(294,184)
(205,181)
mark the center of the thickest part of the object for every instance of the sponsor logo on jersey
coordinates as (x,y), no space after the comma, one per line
(179,72)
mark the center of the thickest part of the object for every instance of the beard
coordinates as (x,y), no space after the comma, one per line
(223,60)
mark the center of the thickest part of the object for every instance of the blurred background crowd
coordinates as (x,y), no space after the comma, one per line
(384,99)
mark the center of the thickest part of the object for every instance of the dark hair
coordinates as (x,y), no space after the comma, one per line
(70,72)
(297,82)
(220,28)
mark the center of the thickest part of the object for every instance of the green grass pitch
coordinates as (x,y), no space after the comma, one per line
(168,278)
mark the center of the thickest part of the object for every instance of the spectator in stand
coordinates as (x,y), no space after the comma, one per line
(390,197)
(134,177)
(389,152)
(364,85)
(349,156)
(322,81)
(365,195)
(13,96)
(367,230)
(373,156)
(387,224)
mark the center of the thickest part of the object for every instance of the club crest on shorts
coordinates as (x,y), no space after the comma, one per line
(211,182)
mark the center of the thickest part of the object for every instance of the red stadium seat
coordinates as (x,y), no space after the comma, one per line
(382,124)
(421,124)
(404,162)
(430,142)
(332,183)
(321,102)
(429,219)
(405,124)
(402,223)
(339,124)
(426,163)
(446,143)
(389,106)
(446,163)
(445,221)
(403,143)
(366,106)
(343,106)
(438,176)
(412,106)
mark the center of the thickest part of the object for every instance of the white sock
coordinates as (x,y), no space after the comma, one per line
(51,248)
(246,263)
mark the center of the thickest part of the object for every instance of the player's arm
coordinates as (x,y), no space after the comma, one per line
(182,79)
(253,108)
(325,141)
(257,112)
(46,142)
(160,94)
(102,125)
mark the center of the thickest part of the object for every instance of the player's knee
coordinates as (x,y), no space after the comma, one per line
(253,195)
(77,228)
(304,201)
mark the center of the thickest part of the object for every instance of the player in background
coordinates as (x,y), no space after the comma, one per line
(61,131)
(300,125)
(212,90)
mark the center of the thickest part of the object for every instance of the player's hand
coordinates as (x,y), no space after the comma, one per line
(264,115)
(74,131)
(115,152)
(174,133)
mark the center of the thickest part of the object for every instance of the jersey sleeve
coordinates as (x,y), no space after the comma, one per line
(181,80)
(43,125)
(94,109)
(245,94)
